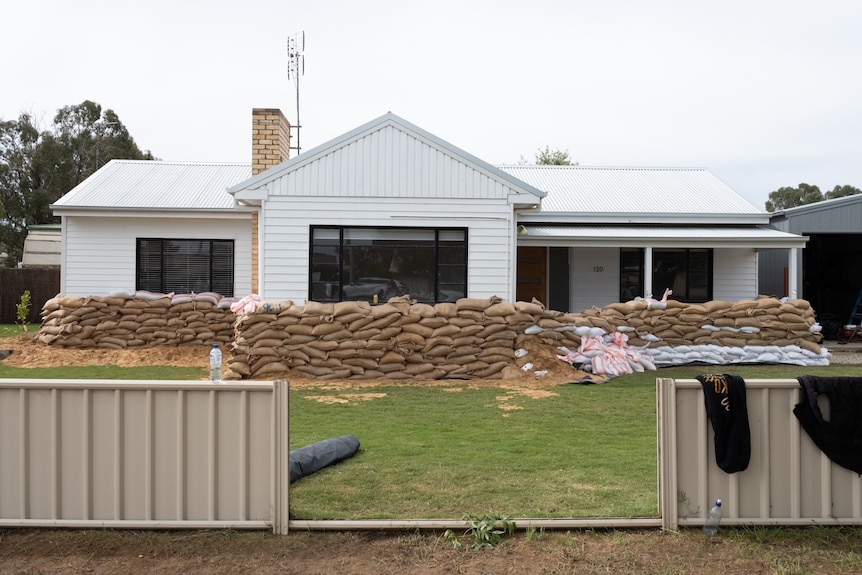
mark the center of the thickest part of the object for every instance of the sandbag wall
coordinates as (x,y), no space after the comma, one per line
(765,330)
(402,339)
(136,320)
(477,338)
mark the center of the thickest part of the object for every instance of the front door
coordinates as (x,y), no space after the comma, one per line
(532,274)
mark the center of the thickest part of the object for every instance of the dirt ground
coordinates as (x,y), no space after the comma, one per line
(755,551)
(101,552)
(28,353)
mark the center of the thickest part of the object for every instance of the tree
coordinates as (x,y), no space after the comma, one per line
(18,141)
(787,197)
(36,169)
(842,191)
(548,157)
(784,198)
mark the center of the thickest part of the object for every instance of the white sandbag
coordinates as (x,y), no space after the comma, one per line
(596,332)
(123,293)
(635,363)
(583,330)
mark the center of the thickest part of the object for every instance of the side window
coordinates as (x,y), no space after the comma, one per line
(185,266)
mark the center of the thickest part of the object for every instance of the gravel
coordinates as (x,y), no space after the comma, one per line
(846,358)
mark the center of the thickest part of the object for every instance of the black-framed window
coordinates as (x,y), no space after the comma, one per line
(686,271)
(358,263)
(631,273)
(185,266)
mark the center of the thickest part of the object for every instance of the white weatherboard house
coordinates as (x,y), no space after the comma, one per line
(389,208)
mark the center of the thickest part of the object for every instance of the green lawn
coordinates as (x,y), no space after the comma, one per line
(587,451)
(443,452)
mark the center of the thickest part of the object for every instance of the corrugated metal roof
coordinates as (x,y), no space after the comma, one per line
(582,189)
(145,184)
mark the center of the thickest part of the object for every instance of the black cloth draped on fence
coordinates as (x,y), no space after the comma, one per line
(724,396)
(839,432)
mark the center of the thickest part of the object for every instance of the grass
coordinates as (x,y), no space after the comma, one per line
(429,452)
(587,451)
(10,329)
(156,372)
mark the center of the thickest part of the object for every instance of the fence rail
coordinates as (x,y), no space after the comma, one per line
(168,454)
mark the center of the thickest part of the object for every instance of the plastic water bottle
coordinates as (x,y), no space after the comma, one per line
(215,364)
(713,518)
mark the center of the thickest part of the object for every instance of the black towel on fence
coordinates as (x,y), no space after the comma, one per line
(840,435)
(724,396)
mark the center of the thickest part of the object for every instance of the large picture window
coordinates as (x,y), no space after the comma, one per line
(185,266)
(360,263)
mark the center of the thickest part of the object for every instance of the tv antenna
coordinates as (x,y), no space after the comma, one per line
(295,69)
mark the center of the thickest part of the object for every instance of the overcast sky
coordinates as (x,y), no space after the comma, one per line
(763,93)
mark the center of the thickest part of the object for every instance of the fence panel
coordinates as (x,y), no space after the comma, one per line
(789,481)
(168,454)
(42,283)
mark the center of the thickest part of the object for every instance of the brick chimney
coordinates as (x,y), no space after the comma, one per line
(270,139)
(270,146)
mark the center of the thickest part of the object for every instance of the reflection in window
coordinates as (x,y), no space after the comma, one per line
(631,273)
(360,263)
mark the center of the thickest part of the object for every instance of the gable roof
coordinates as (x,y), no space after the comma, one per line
(156,185)
(244,190)
(621,194)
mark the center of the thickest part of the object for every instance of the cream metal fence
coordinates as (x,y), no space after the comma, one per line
(179,454)
(144,454)
(789,481)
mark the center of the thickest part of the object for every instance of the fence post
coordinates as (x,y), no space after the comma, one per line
(667,457)
(280,456)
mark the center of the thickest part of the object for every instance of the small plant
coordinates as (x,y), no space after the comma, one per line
(22,310)
(488,531)
(534,532)
(451,539)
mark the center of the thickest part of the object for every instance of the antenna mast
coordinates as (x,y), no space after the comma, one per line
(295,69)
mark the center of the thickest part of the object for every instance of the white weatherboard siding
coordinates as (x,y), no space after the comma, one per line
(99,252)
(734,274)
(388,163)
(595,277)
(285,234)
